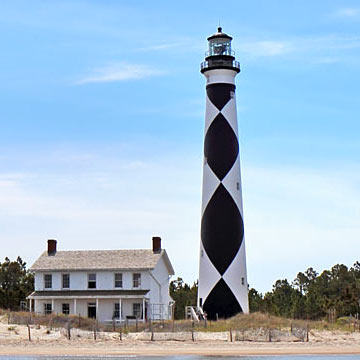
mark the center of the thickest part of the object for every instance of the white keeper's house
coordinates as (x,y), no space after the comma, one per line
(104,284)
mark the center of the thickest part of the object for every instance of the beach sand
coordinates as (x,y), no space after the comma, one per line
(14,341)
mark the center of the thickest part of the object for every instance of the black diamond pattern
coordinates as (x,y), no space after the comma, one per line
(221,302)
(219,94)
(221,146)
(222,229)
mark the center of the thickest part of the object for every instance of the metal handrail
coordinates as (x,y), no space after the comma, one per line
(234,63)
(226,52)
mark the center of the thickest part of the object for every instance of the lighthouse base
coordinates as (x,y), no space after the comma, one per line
(221,302)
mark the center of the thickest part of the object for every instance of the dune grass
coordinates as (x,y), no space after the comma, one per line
(241,322)
(260,320)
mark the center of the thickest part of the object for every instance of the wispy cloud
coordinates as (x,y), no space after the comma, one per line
(326,49)
(267,48)
(348,12)
(119,72)
(166,46)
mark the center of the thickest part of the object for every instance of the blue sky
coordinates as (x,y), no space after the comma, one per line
(102,115)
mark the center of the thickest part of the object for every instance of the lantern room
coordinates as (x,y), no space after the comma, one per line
(219,54)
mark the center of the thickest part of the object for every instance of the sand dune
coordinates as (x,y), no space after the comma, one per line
(14,341)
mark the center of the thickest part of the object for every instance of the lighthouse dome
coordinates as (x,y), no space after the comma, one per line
(219,34)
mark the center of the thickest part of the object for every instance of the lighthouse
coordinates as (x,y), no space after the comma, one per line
(223,288)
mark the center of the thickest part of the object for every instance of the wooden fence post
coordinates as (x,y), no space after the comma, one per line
(231,335)
(120,331)
(94,332)
(307,332)
(29,332)
(68,330)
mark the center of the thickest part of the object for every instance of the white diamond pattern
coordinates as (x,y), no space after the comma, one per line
(210,184)
(209,276)
(211,112)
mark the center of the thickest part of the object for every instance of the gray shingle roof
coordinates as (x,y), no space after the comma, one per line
(99,260)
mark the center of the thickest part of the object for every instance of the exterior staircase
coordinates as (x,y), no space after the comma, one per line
(195,313)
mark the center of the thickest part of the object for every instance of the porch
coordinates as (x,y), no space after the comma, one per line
(105,306)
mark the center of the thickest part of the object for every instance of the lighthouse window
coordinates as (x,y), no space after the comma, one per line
(242,281)
(220,47)
(237,186)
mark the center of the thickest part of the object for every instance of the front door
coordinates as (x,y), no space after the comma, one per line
(92,310)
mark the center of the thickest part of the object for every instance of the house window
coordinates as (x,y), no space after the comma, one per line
(66,309)
(136,280)
(137,310)
(118,281)
(66,281)
(92,281)
(47,281)
(47,309)
(116,311)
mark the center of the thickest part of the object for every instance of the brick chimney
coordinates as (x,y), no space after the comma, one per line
(156,242)
(51,247)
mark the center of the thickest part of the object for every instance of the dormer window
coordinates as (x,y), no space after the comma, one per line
(48,281)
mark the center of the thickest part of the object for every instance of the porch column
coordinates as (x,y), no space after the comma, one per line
(30,310)
(120,309)
(52,305)
(97,308)
(143,310)
(75,310)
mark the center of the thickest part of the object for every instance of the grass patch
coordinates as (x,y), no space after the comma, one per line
(240,322)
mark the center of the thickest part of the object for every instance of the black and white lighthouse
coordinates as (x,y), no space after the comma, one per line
(223,289)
